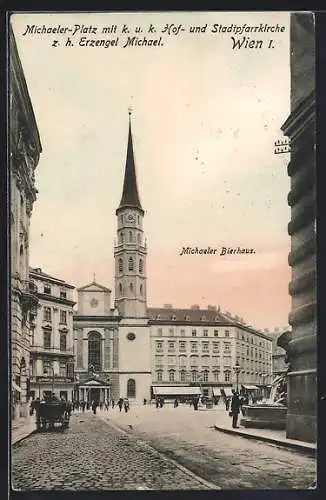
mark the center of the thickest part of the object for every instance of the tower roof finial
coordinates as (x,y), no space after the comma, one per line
(130,196)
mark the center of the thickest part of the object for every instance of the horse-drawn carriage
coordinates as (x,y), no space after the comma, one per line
(50,413)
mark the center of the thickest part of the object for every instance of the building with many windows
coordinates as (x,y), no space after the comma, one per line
(203,346)
(25,148)
(51,366)
(128,349)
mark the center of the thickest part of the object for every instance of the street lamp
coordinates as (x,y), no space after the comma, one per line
(237,369)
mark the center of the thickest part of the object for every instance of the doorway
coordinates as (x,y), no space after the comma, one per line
(94,395)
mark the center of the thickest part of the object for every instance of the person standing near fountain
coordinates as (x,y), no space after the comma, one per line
(235,409)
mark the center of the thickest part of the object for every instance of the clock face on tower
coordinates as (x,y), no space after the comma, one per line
(131,218)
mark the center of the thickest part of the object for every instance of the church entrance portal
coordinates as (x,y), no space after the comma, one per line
(94,395)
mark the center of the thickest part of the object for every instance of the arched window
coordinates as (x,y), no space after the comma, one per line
(139,238)
(131,388)
(227,376)
(95,351)
(131,264)
(120,265)
(205,376)
(159,376)
(121,238)
(130,236)
(141,266)
(120,289)
(131,286)
(194,376)
(171,376)
(141,289)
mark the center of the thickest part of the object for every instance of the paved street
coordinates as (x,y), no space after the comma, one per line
(231,462)
(93,454)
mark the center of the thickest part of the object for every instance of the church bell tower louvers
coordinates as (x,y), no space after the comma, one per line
(130,251)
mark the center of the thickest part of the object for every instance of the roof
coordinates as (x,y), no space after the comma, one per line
(194,315)
(130,196)
(93,287)
(37,272)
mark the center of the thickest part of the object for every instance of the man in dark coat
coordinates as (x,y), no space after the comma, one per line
(235,409)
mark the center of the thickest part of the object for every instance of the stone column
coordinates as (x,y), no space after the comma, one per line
(300,128)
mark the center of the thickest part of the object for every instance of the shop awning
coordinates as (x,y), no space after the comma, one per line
(227,391)
(216,391)
(176,391)
(16,387)
(250,387)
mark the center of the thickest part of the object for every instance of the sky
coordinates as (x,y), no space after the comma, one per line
(204,121)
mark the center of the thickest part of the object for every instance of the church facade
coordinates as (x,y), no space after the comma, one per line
(125,349)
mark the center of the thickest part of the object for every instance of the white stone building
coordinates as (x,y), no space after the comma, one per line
(51,365)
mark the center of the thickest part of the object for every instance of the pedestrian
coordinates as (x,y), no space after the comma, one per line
(145,401)
(112,403)
(157,402)
(235,409)
(195,402)
(94,407)
(126,404)
(87,405)
(101,405)
(83,404)
(176,403)
(120,403)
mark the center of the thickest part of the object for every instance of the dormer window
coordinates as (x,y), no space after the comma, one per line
(174,318)
(158,316)
(187,318)
(203,318)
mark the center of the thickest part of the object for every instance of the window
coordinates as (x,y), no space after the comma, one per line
(227,347)
(63,342)
(171,331)
(131,388)
(47,340)
(171,346)
(121,237)
(227,333)
(203,318)
(174,318)
(120,265)
(139,238)
(171,360)
(159,360)
(138,219)
(182,376)
(159,345)
(182,360)
(205,376)
(159,332)
(193,346)
(63,294)
(194,376)
(120,289)
(205,346)
(141,289)
(215,374)
(63,369)
(63,317)
(215,333)
(171,376)
(193,333)
(182,332)
(47,314)
(141,267)
(216,346)
(130,236)
(131,264)
(205,333)
(131,287)
(47,367)
(193,360)
(182,346)
(47,289)
(227,376)
(159,376)
(95,351)
(187,318)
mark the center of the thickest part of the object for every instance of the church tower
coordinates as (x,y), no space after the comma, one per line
(130,250)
